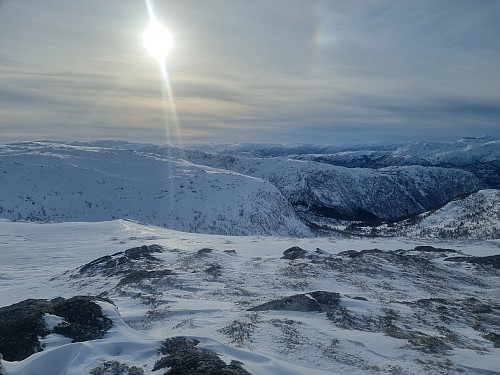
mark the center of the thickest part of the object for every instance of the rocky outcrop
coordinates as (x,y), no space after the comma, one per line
(110,264)
(131,266)
(22,324)
(314,301)
(181,356)
(294,252)
(492,260)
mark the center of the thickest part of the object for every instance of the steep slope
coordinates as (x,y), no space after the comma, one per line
(475,216)
(345,193)
(57,182)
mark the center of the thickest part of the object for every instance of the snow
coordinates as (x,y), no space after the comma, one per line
(43,181)
(476,216)
(36,259)
(77,202)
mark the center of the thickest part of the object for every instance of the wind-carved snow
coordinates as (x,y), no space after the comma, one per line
(380,306)
(57,182)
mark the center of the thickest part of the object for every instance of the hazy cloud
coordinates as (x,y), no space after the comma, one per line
(279,71)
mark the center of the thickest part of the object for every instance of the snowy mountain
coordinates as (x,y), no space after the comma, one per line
(100,283)
(475,216)
(344,193)
(116,297)
(239,189)
(43,181)
(480,156)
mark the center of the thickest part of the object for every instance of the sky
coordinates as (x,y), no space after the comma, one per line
(281,71)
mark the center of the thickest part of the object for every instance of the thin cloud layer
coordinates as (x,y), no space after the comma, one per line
(280,71)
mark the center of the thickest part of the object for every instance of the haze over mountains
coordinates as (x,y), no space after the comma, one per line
(259,189)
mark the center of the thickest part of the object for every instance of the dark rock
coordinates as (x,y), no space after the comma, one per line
(143,252)
(494,338)
(22,323)
(182,357)
(116,368)
(294,252)
(102,262)
(231,252)
(204,251)
(359,298)
(111,264)
(83,319)
(20,326)
(319,301)
(356,254)
(350,254)
(427,343)
(136,276)
(492,260)
(432,249)
(214,270)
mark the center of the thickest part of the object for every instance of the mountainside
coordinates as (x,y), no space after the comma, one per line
(480,156)
(43,181)
(344,193)
(475,216)
(241,189)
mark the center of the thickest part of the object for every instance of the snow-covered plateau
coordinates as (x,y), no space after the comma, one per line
(275,305)
(129,259)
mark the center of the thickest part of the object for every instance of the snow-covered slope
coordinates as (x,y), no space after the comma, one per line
(481,156)
(339,192)
(44,181)
(336,307)
(237,189)
(475,216)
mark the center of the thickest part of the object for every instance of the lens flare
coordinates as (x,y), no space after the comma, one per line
(158,41)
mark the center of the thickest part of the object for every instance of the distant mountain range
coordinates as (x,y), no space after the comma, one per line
(286,190)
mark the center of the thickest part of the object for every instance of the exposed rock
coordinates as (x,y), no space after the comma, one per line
(20,326)
(83,318)
(427,343)
(143,252)
(204,251)
(116,368)
(493,337)
(22,323)
(356,254)
(136,276)
(432,249)
(492,260)
(315,301)
(111,264)
(182,357)
(294,252)
(214,270)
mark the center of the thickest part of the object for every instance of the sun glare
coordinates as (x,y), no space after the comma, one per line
(157,40)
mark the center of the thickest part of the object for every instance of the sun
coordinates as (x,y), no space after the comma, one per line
(157,40)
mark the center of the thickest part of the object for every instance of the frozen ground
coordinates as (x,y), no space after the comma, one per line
(389,311)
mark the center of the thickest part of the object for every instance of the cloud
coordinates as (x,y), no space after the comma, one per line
(285,70)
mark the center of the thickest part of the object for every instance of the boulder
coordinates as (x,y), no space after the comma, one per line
(182,357)
(294,252)
(21,324)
